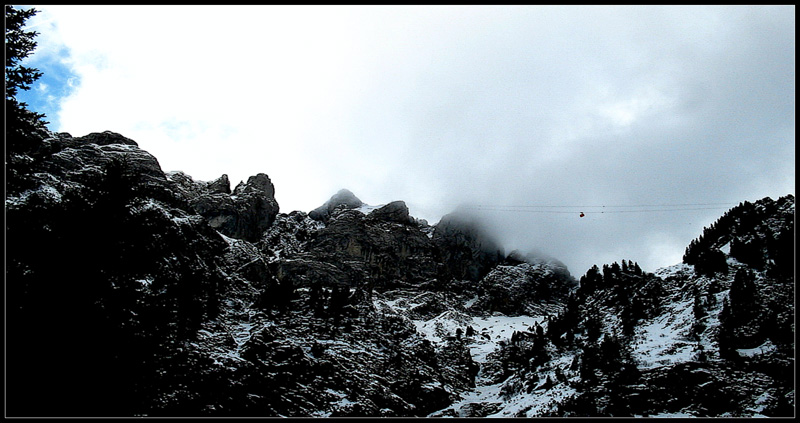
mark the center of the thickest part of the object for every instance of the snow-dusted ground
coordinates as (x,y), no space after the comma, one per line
(489,332)
(664,340)
(490,396)
(761,349)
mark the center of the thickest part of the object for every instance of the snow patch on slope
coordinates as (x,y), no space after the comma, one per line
(663,341)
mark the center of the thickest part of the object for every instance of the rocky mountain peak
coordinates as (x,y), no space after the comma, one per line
(396,211)
(259,183)
(106,138)
(244,214)
(221,185)
(469,250)
(344,199)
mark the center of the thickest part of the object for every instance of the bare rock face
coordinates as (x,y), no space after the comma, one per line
(244,214)
(338,245)
(519,288)
(393,253)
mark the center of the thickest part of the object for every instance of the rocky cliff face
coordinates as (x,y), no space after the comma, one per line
(468,252)
(160,295)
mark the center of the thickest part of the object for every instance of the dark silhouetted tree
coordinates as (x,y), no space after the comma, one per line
(699,311)
(744,295)
(750,251)
(740,319)
(21,123)
(725,338)
(710,262)
(782,251)
(591,281)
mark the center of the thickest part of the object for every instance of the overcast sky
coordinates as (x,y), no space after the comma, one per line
(691,109)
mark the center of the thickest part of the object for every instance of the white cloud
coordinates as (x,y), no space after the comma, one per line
(436,105)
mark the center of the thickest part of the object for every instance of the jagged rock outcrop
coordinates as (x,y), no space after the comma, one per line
(289,234)
(522,288)
(65,164)
(354,249)
(222,185)
(244,214)
(106,138)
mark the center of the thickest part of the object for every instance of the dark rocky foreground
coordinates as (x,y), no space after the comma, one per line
(131,291)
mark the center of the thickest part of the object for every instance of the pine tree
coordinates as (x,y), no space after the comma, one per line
(744,295)
(783,251)
(750,252)
(591,281)
(740,319)
(317,300)
(710,262)
(698,309)
(699,312)
(725,338)
(628,320)
(21,123)
(593,325)
(636,269)
(339,299)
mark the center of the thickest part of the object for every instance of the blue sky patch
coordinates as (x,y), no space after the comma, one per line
(57,82)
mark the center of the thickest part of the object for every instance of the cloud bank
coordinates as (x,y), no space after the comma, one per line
(446,105)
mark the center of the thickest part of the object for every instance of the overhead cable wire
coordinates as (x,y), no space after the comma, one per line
(642,208)
(600,206)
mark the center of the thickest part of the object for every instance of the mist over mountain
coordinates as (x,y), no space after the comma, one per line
(135,292)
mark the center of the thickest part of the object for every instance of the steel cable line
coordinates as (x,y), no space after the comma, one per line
(601,209)
(602,206)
